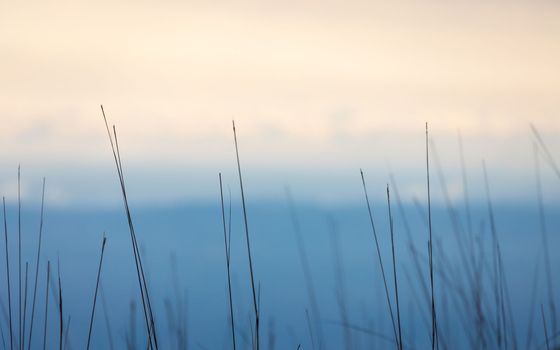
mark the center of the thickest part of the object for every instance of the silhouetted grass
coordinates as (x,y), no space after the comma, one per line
(106,316)
(8,274)
(46,305)
(380,259)
(430,248)
(394,269)
(24,302)
(19,256)
(96,289)
(249,255)
(227,247)
(60,311)
(148,315)
(37,266)
(472,293)
(545,328)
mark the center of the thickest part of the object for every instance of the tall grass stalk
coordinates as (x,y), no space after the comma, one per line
(66,332)
(227,246)
(37,267)
(151,328)
(8,274)
(148,315)
(430,246)
(394,268)
(545,328)
(415,256)
(19,254)
(46,305)
(544,237)
(255,306)
(106,316)
(25,302)
(60,311)
(387,295)
(96,289)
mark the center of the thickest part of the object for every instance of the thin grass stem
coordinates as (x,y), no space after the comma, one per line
(8,274)
(255,306)
(37,267)
(96,289)
(227,248)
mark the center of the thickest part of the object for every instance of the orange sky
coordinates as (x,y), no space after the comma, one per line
(312,84)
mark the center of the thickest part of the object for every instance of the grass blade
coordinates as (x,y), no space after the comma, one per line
(148,315)
(96,289)
(8,274)
(19,254)
(37,267)
(544,327)
(255,307)
(227,247)
(25,302)
(46,305)
(60,319)
(544,237)
(389,305)
(430,246)
(394,268)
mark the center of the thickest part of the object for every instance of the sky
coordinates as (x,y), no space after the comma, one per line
(318,89)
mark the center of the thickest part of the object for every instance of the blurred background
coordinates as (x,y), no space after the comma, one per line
(318,91)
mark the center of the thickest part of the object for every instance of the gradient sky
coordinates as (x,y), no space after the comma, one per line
(318,89)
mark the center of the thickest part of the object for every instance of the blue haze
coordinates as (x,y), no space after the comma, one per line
(192,235)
